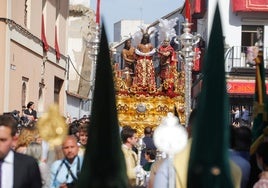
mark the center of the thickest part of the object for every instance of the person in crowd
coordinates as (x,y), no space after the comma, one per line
(149,143)
(144,72)
(255,168)
(244,116)
(154,169)
(35,150)
(129,140)
(262,161)
(19,170)
(168,66)
(30,112)
(64,173)
(68,119)
(83,137)
(84,119)
(134,148)
(31,134)
(23,117)
(26,136)
(45,148)
(236,114)
(240,139)
(73,129)
(150,155)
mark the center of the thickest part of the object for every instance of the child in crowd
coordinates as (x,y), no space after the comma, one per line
(83,136)
(150,155)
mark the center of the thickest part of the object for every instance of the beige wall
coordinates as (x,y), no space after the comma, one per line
(3,52)
(24,53)
(28,65)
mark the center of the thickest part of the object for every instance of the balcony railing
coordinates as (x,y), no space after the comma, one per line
(236,57)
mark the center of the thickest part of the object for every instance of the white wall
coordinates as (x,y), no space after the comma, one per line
(124,28)
(231,22)
(74,107)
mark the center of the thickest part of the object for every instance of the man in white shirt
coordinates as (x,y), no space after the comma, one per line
(65,172)
(18,170)
(236,114)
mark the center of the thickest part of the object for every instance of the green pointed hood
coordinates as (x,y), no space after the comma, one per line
(209,162)
(104,163)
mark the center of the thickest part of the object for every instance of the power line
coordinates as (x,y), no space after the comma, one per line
(83,78)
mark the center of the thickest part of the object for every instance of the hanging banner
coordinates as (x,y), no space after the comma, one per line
(43,35)
(199,8)
(57,49)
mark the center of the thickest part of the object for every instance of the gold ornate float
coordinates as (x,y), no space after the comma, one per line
(139,109)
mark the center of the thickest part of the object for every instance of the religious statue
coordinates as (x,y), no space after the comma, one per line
(168,66)
(144,72)
(129,57)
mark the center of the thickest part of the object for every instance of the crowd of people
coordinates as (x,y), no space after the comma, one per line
(241,117)
(247,169)
(26,160)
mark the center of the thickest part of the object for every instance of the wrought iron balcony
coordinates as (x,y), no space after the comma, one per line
(237,60)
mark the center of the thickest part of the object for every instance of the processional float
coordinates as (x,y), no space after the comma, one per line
(138,108)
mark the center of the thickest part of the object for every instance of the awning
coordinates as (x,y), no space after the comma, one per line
(250,5)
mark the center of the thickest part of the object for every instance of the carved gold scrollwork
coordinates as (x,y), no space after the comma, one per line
(138,108)
(162,109)
(139,111)
(122,108)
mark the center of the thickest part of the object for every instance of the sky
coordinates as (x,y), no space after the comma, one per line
(112,11)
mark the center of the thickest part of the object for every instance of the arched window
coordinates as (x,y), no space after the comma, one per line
(23,94)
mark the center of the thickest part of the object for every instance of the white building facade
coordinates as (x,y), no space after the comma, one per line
(240,22)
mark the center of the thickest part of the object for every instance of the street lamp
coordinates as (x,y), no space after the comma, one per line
(188,55)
